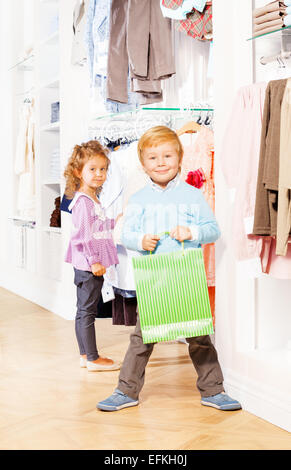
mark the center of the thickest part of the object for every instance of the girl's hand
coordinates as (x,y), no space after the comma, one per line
(149,242)
(98,269)
(181,233)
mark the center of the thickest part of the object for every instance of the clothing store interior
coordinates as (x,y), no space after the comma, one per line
(90,81)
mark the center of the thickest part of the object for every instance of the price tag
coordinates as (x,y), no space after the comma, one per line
(107,292)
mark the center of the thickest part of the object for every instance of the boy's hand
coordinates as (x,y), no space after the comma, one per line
(149,242)
(181,233)
(98,269)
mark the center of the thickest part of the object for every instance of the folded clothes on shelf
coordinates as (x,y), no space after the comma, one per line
(55,112)
(271,17)
(269,8)
(274,15)
(269,26)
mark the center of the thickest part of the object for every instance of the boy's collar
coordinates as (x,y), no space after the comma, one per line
(171,185)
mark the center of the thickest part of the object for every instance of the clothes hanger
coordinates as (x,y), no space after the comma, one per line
(207,121)
(199,120)
(189,128)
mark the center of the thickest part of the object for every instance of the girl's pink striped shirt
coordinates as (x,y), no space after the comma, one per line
(91,240)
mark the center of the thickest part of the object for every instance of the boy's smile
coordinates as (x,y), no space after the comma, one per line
(161,163)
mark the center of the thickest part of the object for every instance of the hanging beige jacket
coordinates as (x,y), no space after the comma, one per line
(265,221)
(284,198)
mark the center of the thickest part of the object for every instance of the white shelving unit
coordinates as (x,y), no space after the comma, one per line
(38,246)
(36,63)
(21,228)
(48,136)
(52,127)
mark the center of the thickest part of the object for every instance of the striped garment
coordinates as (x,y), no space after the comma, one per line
(197,25)
(172,296)
(173,4)
(181,12)
(91,240)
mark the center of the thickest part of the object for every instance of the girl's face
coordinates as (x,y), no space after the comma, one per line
(94,172)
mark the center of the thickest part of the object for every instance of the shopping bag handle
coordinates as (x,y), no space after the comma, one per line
(160,235)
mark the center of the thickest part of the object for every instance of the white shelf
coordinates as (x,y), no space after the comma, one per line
(25,64)
(53,127)
(52,182)
(52,229)
(22,219)
(52,83)
(51,40)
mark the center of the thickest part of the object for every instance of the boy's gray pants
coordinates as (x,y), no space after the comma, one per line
(201,351)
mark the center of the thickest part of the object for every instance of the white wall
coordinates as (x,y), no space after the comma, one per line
(251,331)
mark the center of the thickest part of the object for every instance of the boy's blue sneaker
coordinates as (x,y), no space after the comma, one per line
(221,401)
(116,401)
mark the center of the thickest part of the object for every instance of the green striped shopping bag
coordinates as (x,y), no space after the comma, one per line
(172,296)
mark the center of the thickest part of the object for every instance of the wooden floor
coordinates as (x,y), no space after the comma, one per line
(48,402)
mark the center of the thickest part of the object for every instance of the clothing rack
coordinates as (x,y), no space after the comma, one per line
(280,57)
(23,221)
(130,125)
(285,52)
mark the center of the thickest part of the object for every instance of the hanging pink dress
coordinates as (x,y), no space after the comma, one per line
(239,162)
(199,155)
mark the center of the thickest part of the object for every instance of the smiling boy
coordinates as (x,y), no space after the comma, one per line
(167,204)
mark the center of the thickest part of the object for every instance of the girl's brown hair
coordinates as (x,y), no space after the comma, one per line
(80,155)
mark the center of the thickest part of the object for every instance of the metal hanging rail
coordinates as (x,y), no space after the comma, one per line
(130,125)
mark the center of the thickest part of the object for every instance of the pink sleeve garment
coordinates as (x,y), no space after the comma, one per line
(239,162)
(91,241)
(199,157)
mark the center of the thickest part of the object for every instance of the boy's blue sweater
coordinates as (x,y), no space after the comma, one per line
(154,211)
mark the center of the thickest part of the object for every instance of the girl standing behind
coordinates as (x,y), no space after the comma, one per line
(91,249)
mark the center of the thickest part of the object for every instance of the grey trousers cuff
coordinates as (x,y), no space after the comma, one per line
(127,391)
